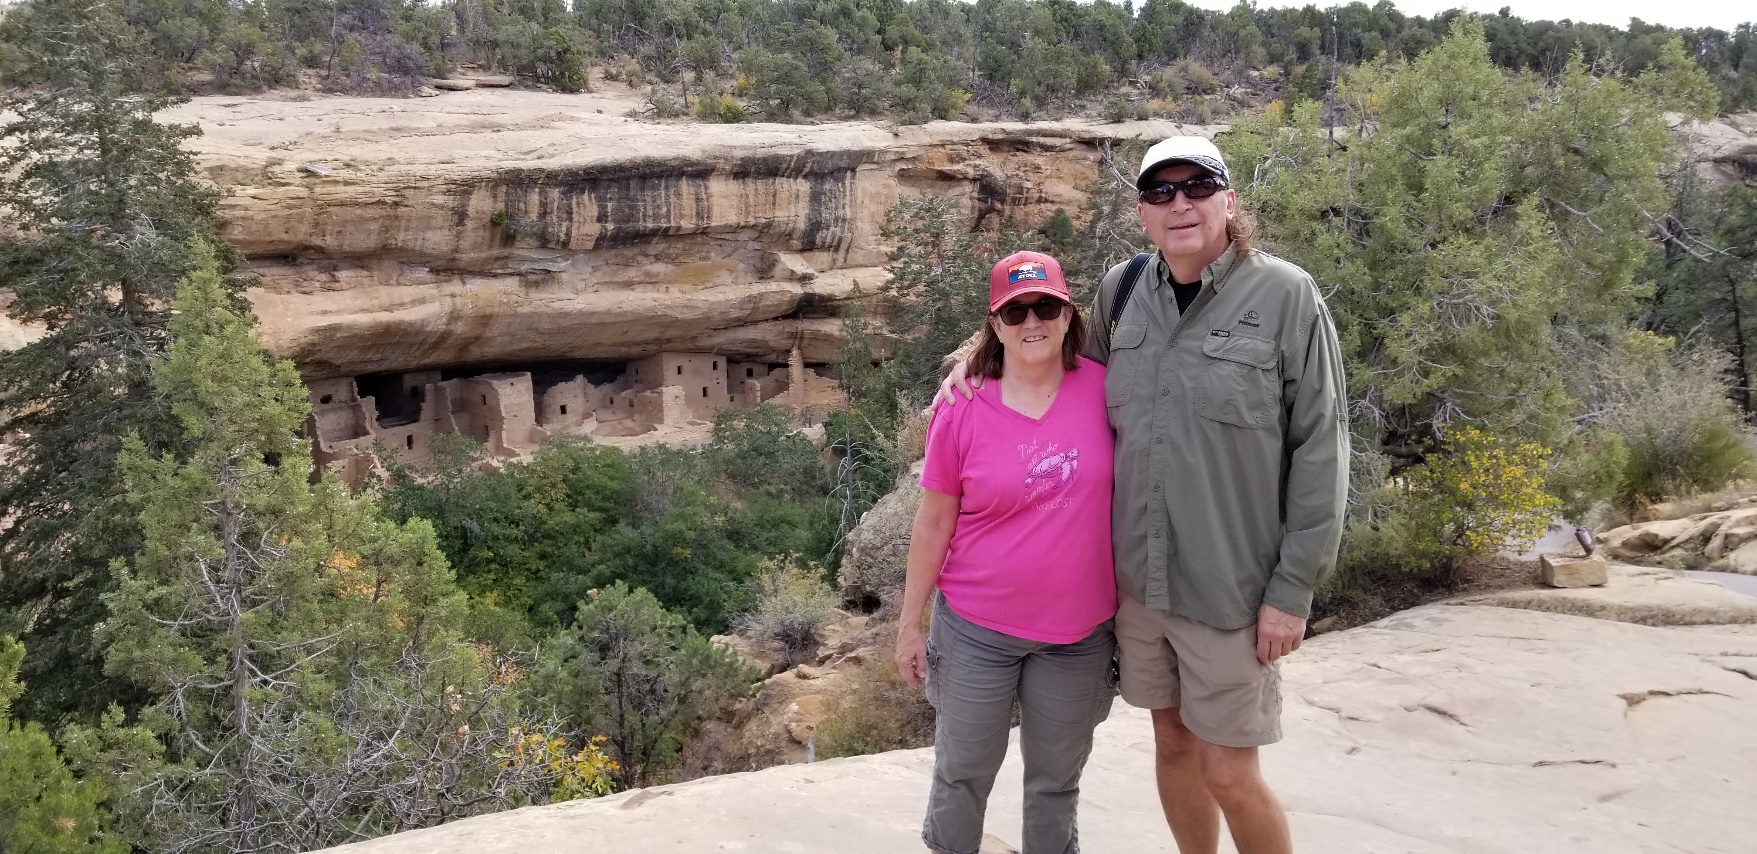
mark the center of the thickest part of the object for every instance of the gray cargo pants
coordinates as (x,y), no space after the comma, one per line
(1064,690)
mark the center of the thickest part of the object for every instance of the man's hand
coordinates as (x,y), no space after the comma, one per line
(912,657)
(956,383)
(1278,633)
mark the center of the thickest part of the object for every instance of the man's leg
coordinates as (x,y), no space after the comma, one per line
(1191,811)
(1253,814)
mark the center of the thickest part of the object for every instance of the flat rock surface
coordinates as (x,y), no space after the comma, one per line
(1651,596)
(1441,729)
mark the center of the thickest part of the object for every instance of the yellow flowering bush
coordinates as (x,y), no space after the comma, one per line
(583,773)
(1477,494)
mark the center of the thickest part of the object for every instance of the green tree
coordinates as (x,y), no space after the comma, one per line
(103,205)
(641,676)
(759,448)
(301,653)
(1479,216)
(42,808)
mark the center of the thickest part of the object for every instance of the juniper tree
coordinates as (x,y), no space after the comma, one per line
(1474,220)
(103,205)
(307,681)
(42,808)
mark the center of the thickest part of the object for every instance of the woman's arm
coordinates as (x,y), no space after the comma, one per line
(932,536)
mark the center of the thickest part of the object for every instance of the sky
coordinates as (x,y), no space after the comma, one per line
(1723,14)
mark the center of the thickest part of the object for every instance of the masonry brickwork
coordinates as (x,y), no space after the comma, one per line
(508,415)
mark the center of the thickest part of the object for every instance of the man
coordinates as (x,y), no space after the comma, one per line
(1225,387)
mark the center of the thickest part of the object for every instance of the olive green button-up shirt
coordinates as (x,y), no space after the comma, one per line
(1231,439)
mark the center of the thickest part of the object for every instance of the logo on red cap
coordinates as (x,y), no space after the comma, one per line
(1027,271)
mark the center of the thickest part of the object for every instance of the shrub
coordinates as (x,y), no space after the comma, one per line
(1669,407)
(640,676)
(721,108)
(792,602)
(879,714)
(1478,494)
(662,105)
(1118,110)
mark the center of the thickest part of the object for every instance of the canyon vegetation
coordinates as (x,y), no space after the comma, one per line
(207,645)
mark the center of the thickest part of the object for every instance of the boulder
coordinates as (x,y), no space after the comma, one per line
(453,85)
(1559,571)
(802,717)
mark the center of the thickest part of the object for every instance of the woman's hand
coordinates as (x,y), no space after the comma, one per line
(912,657)
(956,383)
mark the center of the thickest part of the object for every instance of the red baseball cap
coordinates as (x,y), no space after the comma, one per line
(1025,273)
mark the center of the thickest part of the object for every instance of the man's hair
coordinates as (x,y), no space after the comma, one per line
(1240,229)
(986,361)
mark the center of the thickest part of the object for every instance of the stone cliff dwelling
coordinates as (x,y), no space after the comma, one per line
(512,412)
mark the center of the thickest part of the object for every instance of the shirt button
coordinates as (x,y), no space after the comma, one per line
(1156,534)
(1155,487)
(1165,391)
(1159,441)
(1171,343)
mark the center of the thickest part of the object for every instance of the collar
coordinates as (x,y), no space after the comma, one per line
(1215,274)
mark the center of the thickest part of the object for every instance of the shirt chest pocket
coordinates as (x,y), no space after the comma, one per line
(1125,358)
(1238,383)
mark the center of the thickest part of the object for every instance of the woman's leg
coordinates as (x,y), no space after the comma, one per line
(1064,691)
(973,675)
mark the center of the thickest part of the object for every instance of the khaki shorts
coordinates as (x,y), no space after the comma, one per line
(1223,694)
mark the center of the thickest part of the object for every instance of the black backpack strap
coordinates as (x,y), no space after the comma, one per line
(1126,287)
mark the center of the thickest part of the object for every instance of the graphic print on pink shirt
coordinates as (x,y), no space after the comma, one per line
(1051,470)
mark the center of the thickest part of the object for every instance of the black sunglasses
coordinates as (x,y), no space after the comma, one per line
(1199,187)
(1013,313)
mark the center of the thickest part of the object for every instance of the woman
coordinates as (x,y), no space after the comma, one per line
(1014,531)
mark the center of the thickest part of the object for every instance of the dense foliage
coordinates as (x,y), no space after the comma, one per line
(913,60)
(690,526)
(102,207)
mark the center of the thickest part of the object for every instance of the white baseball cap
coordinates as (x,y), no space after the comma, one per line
(1194,150)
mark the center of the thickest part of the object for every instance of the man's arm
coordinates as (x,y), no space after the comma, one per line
(1317,477)
(1098,321)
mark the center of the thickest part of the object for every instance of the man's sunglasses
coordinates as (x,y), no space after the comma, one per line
(1199,187)
(1013,313)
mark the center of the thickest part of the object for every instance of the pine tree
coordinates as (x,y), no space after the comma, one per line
(104,204)
(1473,220)
(42,808)
(308,684)
(641,676)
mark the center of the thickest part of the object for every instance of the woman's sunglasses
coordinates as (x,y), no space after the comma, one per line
(1199,187)
(1013,313)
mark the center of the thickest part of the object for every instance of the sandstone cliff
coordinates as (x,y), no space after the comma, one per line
(498,227)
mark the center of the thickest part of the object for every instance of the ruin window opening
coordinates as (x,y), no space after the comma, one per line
(680,370)
(326,398)
(715,366)
(409,441)
(484,400)
(389,393)
(415,393)
(750,372)
(704,391)
(564,409)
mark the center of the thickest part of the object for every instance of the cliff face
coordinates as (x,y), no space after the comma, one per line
(485,228)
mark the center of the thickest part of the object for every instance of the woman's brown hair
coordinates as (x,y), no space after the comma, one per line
(986,361)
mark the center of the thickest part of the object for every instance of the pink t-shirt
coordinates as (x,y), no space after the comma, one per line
(1030,556)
